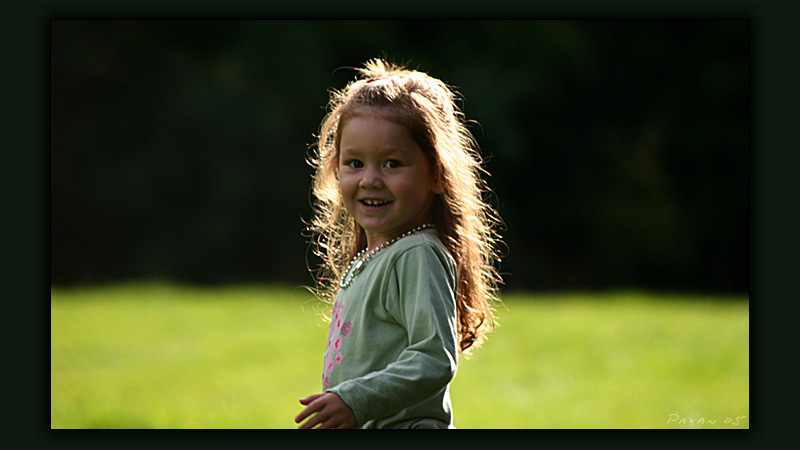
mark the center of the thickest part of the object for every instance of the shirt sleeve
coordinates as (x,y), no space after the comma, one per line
(420,295)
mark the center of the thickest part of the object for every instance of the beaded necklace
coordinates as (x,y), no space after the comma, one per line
(358,262)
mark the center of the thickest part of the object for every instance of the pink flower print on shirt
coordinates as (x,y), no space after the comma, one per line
(337,344)
(326,383)
(346,328)
(328,364)
(337,326)
(339,358)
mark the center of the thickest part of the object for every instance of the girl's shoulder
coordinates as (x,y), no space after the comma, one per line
(422,243)
(420,240)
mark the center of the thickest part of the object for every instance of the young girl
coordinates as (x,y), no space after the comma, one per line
(407,244)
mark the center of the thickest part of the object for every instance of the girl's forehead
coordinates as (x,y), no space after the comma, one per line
(392,114)
(372,132)
(371,123)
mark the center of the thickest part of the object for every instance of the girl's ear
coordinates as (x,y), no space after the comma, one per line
(438,186)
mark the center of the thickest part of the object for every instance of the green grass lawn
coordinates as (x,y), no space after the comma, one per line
(164,356)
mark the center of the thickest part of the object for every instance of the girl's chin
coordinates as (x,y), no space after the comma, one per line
(370,225)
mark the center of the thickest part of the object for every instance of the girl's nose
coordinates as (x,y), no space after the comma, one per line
(371,179)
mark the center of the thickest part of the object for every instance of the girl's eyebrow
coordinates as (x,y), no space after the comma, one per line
(382,152)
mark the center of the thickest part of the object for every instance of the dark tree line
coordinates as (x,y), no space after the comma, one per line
(619,150)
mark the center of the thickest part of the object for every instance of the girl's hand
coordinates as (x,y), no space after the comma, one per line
(331,412)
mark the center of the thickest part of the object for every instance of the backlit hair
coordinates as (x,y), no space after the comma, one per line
(466,224)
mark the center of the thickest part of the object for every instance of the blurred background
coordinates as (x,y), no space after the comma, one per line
(619,160)
(619,150)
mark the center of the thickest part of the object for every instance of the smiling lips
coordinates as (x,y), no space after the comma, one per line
(373,205)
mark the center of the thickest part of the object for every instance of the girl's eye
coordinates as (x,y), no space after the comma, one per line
(354,164)
(392,164)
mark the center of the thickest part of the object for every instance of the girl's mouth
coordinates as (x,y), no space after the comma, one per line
(373,205)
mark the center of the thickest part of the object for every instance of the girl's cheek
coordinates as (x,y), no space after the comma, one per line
(347,184)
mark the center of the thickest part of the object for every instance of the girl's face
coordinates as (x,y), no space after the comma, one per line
(387,183)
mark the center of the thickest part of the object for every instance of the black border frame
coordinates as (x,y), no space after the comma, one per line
(24,117)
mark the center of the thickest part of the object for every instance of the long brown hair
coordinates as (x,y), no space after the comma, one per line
(466,224)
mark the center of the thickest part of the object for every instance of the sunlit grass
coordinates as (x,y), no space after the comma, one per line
(161,356)
(608,361)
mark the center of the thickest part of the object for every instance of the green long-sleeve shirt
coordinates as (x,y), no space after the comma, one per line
(392,344)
